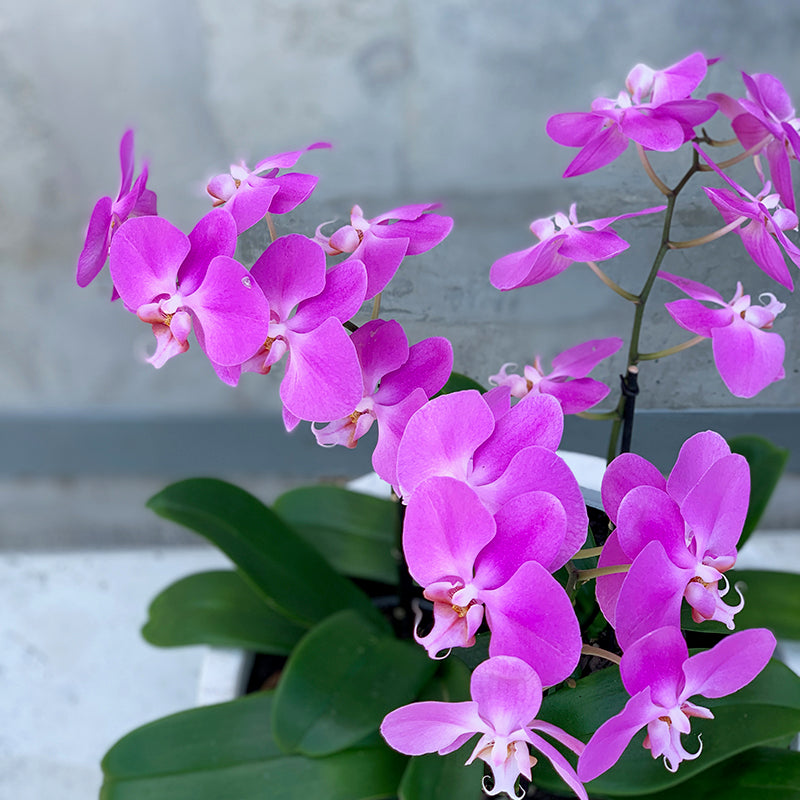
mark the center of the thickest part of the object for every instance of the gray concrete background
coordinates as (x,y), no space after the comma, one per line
(423,101)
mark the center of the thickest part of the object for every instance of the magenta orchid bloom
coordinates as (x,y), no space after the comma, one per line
(499,451)
(398,380)
(562,241)
(765,120)
(383,241)
(175,282)
(747,355)
(307,306)
(680,535)
(247,195)
(763,236)
(567,381)
(471,563)
(134,199)
(506,697)
(663,123)
(661,678)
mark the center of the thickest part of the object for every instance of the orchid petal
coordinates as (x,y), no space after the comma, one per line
(340,298)
(731,664)
(531,618)
(290,270)
(610,740)
(445,528)
(607,587)
(656,660)
(625,472)
(232,311)
(579,361)
(145,256)
(602,149)
(648,514)
(530,527)
(508,692)
(697,455)
(431,726)
(560,765)
(748,359)
(538,420)
(650,596)
(323,376)
(95,248)
(441,438)
(716,507)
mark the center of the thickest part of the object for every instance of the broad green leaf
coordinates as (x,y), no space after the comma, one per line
(772,600)
(766,466)
(219,608)
(435,777)
(356,533)
(341,680)
(290,574)
(226,752)
(765,711)
(766,773)
(457,383)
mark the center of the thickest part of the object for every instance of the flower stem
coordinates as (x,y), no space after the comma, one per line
(611,284)
(597,414)
(376,306)
(588,552)
(629,381)
(584,575)
(273,234)
(589,650)
(709,237)
(648,168)
(756,148)
(670,351)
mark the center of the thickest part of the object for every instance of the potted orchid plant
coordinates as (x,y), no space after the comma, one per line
(491,628)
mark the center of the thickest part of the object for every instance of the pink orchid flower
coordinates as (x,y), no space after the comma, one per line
(662,123)
(397,381)
(763,236)
(176,282)
(133,200)
(567,381)
(383,241)
(747,355)
(471,563)
(660,677)
(680,535)
(506,697)
(562,241)
(307,306)
(766,118)
(247,195)
(498,451)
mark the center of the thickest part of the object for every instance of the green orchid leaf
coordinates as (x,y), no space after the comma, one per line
(765,711)
(457,383)
(290,575)
(772,600)
(218,608)
(343,677)
(766,467)
(435,777)
(226,751)
(766,773)
(356,533)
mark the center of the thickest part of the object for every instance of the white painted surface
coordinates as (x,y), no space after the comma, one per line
(75,674)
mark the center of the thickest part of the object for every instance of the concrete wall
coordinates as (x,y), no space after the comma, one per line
(422,100)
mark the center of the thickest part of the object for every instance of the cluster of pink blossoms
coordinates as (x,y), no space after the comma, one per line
(492,510)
